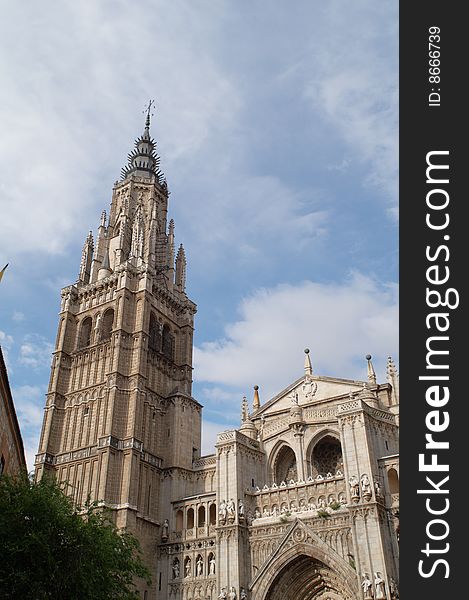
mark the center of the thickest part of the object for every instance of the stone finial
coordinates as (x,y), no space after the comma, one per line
(181,265)
(102,222)
(371,371)
(247,426)
(170,256)
(308,366)
(244,410)
(86,258)
(392,375)
(256,403)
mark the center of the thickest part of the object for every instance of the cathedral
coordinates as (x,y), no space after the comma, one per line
(301,502)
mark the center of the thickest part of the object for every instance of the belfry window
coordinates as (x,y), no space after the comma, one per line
(84,337)
(154,339)
(168,343)
(107,323)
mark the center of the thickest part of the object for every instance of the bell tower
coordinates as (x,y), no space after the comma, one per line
(121,373)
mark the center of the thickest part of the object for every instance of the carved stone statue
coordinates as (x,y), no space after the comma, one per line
(176,569)
(366,486)
(257,513)
(232,595)
(367,586)
(230,507)
(354,489)
(243,594)
(199,566)
(188,567)
(240,510)
(165,530)
(222,595)
(222,512)
(379,587)
(97,328)
(377,490)
(212,564)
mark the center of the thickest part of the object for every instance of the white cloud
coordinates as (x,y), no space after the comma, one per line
(339,322)
(35,352)
(17,316)
(65,90)
(353,84)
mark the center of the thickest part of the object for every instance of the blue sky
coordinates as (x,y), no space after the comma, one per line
(277,128)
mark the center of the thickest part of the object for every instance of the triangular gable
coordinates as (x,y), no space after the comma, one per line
(308,391)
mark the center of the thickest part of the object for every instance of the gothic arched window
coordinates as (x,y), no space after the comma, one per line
(154,334)
(84,337)
(107,323)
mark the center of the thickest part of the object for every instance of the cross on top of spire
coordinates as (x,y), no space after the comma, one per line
(147,109)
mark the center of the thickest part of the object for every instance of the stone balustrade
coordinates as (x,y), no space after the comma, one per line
(300,496)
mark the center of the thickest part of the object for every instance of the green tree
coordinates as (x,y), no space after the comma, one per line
(50,549)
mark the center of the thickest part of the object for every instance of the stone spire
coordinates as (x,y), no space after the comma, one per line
(86,258)
(308,366)
(143,160)
(181,264)
(392,376)
(371,371)
(256,403)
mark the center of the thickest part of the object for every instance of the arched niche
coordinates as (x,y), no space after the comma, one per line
(284,465)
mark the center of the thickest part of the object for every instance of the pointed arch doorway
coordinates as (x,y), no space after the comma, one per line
(304,567)
(305,578)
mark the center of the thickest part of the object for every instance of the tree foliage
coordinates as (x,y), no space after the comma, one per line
(49,548)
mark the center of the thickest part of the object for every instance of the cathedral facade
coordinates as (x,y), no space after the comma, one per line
(299,503)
